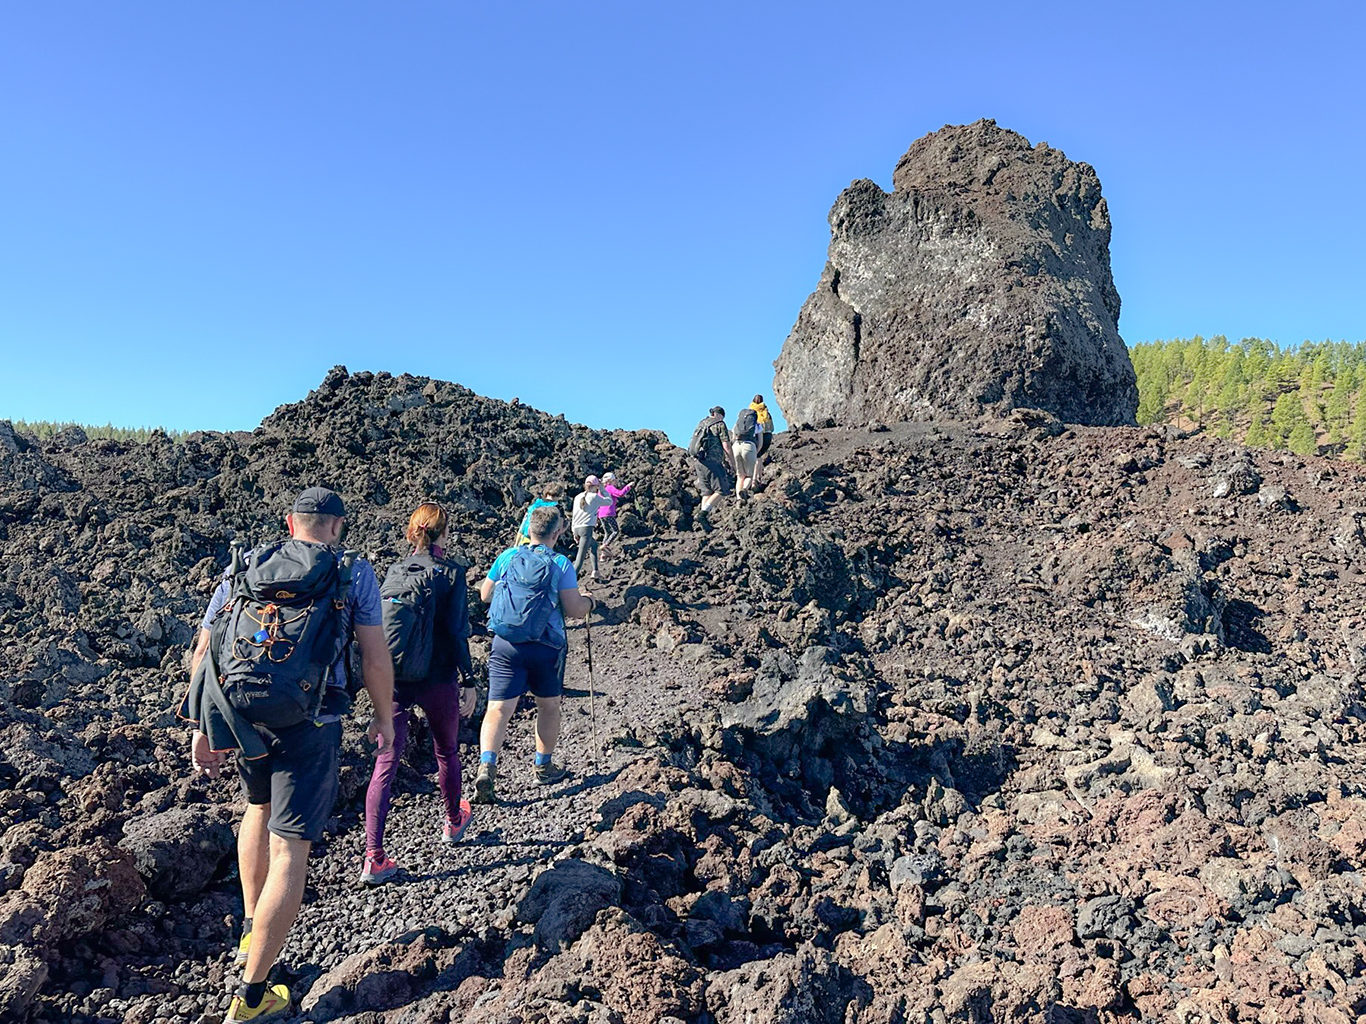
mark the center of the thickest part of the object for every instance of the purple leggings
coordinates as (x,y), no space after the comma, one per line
(441,701)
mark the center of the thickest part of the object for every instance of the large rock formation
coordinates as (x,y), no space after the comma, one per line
(981,283)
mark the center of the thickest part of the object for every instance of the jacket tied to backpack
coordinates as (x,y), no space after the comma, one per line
(273,644)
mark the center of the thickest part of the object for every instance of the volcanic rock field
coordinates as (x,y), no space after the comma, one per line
(970,714)
(997,720)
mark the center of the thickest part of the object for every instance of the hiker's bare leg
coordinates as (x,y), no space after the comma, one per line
(278,905)
(253,855)
(547,724)
(495,728)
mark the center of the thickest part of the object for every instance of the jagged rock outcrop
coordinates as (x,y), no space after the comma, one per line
(980,283)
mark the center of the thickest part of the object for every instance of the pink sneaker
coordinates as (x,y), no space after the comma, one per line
(453,830)
(377,869)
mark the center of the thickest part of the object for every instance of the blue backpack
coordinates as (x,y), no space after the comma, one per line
(525,595)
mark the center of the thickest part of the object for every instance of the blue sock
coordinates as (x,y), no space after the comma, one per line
(542,759)
(488,757)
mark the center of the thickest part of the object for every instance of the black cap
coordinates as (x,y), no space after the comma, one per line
(320,501)
(716,410)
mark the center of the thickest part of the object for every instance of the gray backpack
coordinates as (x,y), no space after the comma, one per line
(281,631)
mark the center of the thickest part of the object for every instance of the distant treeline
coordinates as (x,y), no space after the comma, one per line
(44,429)
(1309,398)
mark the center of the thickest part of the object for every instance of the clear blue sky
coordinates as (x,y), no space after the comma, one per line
(612,210)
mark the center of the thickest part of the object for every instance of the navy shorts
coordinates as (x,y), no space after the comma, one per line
(515,669)
(298,778)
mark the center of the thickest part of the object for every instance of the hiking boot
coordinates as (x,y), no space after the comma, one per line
(377,869)
(274,1003)
(453,830)
(483,784)
(239,958)
(550,772)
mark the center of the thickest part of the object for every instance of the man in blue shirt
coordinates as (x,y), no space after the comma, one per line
(291,788)
(536,666)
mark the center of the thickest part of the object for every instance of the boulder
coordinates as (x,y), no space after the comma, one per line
(981,283)
(178,851)
(379,978)
(796,708)
(10,442)
(22,974)
(806,987)
(68,894)
(564,900)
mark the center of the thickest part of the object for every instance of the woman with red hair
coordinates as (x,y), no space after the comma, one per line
(440,586)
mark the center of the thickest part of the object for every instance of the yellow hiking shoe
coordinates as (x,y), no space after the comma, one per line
(274,1003)
(239,959)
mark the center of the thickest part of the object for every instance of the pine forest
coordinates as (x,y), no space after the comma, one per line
(1309,398)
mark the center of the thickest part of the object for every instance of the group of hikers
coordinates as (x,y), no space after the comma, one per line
(730,458)
(271,673)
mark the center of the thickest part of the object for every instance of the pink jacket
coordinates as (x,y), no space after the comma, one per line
(616,494)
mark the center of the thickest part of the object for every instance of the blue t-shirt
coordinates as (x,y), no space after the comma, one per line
(567,579)
(525,528)
(362,608)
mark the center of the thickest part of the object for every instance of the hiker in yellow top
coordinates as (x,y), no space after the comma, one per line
(766,425)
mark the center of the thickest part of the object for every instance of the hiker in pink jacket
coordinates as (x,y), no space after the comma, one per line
(607,515)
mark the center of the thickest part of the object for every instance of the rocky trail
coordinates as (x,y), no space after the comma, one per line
(985,721)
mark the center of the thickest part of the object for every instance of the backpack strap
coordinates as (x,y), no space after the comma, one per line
(344,565)
(344,577)
(237,571)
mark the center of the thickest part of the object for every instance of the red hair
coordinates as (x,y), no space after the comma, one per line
(426,524)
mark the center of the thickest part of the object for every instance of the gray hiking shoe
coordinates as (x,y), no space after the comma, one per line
(483,784)
(550,772)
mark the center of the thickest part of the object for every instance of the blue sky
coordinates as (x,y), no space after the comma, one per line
(611,210)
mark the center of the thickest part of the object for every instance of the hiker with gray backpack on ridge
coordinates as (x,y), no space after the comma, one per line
(713,462)
(427,626)
(269,679)
(530,590)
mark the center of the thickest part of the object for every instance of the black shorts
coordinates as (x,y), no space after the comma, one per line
(768,440)
(516,668)
(297,777)
(712,477)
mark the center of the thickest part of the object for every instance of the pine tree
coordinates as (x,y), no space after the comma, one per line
(1356,427)
(1301,440)
(1286,414)
(1338,403)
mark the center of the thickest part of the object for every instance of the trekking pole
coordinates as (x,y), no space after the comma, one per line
(592,690)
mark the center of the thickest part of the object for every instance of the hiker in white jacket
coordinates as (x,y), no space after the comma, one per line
(585,522)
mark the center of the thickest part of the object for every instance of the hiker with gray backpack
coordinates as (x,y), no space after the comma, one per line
(269,680)
(713,462)
(426,624)
(529,590)
(746,438)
